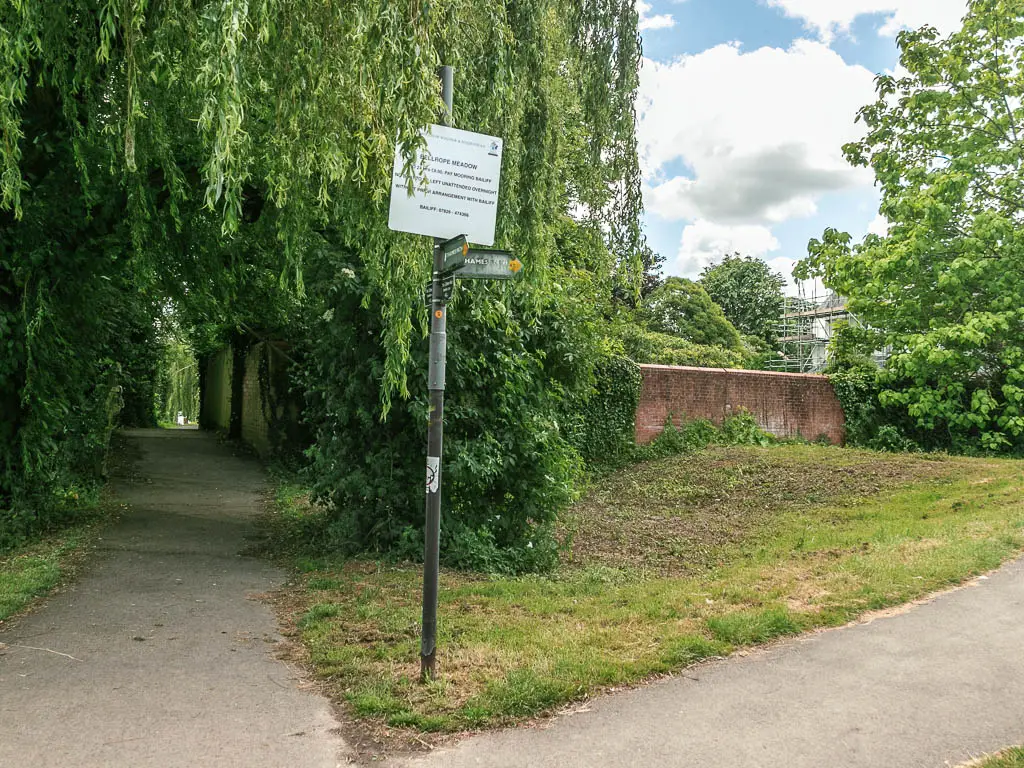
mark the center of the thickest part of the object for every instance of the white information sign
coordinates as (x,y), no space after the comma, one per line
(460,197)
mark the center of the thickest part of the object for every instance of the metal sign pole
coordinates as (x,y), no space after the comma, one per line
(435,434)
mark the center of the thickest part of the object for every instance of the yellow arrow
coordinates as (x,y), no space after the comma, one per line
(515,265)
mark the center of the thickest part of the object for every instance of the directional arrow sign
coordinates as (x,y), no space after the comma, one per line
(455,251)
(447,289)
(489,265)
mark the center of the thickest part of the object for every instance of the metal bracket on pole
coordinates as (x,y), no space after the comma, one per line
(438,342)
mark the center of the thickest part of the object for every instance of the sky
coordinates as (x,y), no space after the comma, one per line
(743,108)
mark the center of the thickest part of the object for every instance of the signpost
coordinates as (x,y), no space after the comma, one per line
(447,289)
(455,251)
(457,204)
(489,265)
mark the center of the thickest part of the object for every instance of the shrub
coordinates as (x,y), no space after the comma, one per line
(889,438)
(662,349)
(603,423)
(742,429)
(857,391)
(509,470)
(869,422)
(692,436)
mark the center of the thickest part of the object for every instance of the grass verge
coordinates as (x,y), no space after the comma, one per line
(671,562)
(32,571)
(1011,758)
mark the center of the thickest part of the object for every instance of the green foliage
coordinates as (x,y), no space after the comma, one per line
(508,468)
(890,438)
(645,346)
(849,349)
(742,429)
(75,334)
(653,263)
(870,423)
(219,156)
(603,426)
(683,308)
(944,289)
(177,380)
(858,384)
(691,436)
(758,354)
(857,391)
(748,292)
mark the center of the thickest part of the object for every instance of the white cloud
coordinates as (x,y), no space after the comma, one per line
(704,242)
(813,290)
(831,17)
(796,208)
(757,137)
(724,113)
(658,21)
(768,184)
(880,226)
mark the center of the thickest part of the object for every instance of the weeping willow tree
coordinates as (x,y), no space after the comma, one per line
(234,155)
(177,390)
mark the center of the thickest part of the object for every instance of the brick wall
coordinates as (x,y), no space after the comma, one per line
(217,396)
(784,404)
(258,411)
(255,429)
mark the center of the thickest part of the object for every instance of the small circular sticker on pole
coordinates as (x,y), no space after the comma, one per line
(439,314)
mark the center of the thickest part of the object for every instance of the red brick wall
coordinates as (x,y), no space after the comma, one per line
(784,404)
(218,391)
(255,430)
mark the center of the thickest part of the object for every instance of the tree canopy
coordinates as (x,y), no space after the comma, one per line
(682,308)
(748,292)
(232,158)
(944,289)
(290,110)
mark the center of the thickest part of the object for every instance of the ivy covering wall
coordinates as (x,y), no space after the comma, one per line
(604,423)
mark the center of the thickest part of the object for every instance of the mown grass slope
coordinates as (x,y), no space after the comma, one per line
(669,562)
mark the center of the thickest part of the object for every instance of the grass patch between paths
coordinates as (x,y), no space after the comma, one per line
(1011,758)
(672,562)
(34,570)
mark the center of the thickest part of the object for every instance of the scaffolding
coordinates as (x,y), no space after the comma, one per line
(806,327)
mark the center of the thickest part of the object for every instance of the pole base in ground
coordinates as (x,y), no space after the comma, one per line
(428,667)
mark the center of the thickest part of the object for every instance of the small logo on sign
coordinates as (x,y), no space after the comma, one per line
(494,149)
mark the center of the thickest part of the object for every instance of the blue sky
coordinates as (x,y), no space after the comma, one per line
(743,108)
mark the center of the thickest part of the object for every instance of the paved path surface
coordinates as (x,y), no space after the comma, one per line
(929,688)
(173,662)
